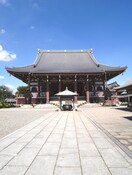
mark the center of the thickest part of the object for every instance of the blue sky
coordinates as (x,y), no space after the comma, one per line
(104,25)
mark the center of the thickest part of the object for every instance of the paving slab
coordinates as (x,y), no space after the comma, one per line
(62,143)
(121,171)
(37,142)
(42,165)
(4,160)
(24,158)
(113,158)
(13,149)
(13,170)
(102,143)
(88,150)
(68,171)
(94,165)
(50,149)
(68,160)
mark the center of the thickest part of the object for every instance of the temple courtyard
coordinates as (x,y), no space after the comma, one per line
(90,141)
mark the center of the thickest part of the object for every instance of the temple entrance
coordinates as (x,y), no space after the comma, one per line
(53,88)
(81,88)
(68,84)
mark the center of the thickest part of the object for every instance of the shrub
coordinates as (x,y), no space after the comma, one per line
(5,105)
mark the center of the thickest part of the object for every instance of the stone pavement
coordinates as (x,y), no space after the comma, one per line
(62,143)
(117,121)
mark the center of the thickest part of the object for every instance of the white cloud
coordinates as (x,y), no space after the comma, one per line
(4,2)
(11,87)
(5,55)
(2,77)
(2,31)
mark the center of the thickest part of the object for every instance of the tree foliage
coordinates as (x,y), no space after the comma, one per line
(5,92)
(22,90)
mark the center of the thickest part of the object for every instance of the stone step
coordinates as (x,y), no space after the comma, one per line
(26,106)
(88,105)
(45,106)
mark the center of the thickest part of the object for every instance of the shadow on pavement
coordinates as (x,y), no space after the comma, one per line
(125,109)
(129,118)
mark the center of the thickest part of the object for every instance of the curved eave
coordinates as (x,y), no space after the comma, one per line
(114,69)
(22,75)
(112,72)
(31,69)
(25,69)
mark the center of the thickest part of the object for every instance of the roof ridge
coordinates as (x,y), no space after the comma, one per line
(93,58)
(64,50)
(37,60)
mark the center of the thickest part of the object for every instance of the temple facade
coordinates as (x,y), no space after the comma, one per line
(54,70)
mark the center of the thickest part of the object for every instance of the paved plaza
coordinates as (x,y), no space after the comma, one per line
(117,121)
(81,142)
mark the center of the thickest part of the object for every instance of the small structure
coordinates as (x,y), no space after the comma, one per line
(66,99)
(10,100)
(125,92)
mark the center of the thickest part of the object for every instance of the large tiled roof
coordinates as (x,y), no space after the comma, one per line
(65,61)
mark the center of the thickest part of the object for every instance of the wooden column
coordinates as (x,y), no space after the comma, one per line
(103,84)
(87,90)
(105,80)
(94,85)
(59,89)
(29,81)
(38,87)
(75,88)
(28,99)
(47,90)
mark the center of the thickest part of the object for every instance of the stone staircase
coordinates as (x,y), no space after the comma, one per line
(89,105)
(39,106)
(26,106)
(46,106)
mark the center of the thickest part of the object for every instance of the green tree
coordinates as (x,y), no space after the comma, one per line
(5,92)
(22,90)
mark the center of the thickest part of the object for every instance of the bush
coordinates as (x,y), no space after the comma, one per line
(1,106)
(5,105)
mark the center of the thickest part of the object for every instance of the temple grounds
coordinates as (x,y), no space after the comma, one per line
(85,142)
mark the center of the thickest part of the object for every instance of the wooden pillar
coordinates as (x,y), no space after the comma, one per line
(75,88)
(87,90)
(59,89)
(104,88)
(29,81)
(94,85)
(28,99)
(38,87)
(103,84)
(105,80)
(47,90)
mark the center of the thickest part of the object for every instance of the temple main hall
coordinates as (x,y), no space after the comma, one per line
(54,70)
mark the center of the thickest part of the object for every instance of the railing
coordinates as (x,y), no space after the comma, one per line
(81,98)
(53,98)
